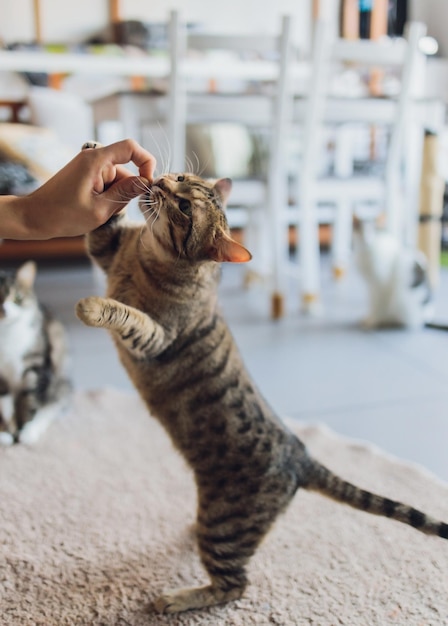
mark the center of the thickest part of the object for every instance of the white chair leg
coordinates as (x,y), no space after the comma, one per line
(309,248)
(258,240)
(414,144)
(309,254)
(344,151)
(341,244)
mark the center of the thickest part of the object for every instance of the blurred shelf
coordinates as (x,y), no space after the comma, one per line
(63,248)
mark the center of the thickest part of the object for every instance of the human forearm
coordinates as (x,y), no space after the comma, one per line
(81,196)
(13,218)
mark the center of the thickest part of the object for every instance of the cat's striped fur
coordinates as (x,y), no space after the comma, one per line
(162,311)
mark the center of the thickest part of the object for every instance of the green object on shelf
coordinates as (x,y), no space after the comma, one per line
(444,258)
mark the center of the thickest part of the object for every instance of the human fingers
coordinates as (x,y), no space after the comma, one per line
(110,174)
(121,172)
(121,192)
(128,150)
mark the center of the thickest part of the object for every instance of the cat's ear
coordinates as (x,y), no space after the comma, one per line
(26,274)
(226,249)
(223,187)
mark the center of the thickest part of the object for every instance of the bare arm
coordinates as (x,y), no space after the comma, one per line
(81,196)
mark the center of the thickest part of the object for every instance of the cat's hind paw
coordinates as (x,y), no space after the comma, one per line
(168,603)
(194,598)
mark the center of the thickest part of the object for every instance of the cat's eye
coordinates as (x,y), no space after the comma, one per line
(18,298)
(184,205)
(180,179)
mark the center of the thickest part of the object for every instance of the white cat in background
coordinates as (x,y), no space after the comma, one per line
(396,278)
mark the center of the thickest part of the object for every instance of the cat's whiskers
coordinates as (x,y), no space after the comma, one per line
(150,209)
(142,231)
(123,198)
(148,214)
(166,164)
(124,201)
(151,213)
(147,202)
(166,154)
(204,167)
(163,154)
(198,164)
(188,165)
(143,186)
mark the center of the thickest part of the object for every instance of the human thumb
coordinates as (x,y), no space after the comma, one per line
(121,192)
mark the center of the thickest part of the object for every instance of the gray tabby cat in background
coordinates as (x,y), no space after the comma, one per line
(162,311)
(34,387)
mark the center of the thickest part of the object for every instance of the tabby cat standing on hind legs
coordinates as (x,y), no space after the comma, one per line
(161,309)
(34,387)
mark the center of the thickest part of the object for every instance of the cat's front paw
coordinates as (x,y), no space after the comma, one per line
(91,311)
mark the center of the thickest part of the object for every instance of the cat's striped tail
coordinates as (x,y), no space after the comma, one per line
(324,481)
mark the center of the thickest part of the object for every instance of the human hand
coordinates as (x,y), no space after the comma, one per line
(86,192)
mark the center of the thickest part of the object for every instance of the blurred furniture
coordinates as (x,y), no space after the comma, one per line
(396,189)
(134,112)
(13,90)
(14,107)
(61,249)
(39,149)
(432,190)
(41,153)
(71,62)
(66,114)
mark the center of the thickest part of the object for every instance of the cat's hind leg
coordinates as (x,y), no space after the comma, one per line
(195,598)
(226,543)
(137,332)
(228,576)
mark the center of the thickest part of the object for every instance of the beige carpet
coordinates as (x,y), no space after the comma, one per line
(95,523)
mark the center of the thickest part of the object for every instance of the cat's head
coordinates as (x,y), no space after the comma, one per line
(17,291)
(185,219)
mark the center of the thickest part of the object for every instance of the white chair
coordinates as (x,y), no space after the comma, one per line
(67,114)
(255,204)
(395,191)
